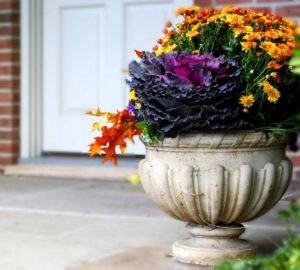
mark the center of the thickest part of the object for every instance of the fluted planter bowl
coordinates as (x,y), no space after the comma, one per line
(215,182)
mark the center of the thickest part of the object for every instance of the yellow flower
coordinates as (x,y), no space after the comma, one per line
(298,30)
(196,27)
(234,19)
(271,91)
(247,45)
(242,30)
(134,179)
(166,39)
(238,31)
(170,48)
(229,9)
(273,34)
(213,18)
(252,37)
(247,100)
(192,33)
(160,51)
(132,95)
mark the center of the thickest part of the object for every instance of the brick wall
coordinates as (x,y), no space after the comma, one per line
(9,81)
(288,8)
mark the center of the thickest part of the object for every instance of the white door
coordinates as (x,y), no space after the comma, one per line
(87,43)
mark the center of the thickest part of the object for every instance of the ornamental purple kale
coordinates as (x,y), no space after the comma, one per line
(179,92)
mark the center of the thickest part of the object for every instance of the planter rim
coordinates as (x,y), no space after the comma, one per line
(223,140)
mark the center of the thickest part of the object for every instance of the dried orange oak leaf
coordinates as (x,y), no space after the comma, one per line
(121,126)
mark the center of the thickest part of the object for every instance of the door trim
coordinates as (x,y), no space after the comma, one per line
(31,78)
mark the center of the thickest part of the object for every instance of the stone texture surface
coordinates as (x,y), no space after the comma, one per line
(212,178)
(69,171)
(207,244)
(145,258)
(44,227)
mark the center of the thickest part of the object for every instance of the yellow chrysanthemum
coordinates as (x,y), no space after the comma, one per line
(247,45)
(170,48)
(229,9)
(160,51)
(247,100)
(271,91)
(253,37)
(196,27)
(238,30)
(132,95)
(191,34)
(166,39)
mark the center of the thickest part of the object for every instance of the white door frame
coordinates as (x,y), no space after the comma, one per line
(31,77)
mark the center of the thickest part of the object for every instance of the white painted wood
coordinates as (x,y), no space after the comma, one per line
(31,78)
(87,43)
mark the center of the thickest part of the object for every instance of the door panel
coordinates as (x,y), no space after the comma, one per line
(87,43)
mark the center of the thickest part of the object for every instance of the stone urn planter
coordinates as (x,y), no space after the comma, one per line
(215,182)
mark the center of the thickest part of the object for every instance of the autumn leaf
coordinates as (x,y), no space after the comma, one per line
(121,126)
(94,149)
(97,126)
(138,53)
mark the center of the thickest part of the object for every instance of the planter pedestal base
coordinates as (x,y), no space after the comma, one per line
(208,244)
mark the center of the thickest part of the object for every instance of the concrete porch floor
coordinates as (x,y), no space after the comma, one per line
(69,224)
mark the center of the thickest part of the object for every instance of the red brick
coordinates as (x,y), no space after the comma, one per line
(7,122)
(12,135)
(288,10)
(9,97)
(9,17)
(226,2)
(10,30)
(10,84)
(10,5)
(9,70)
(10,109)
(9,44)
(9,147)
(8,160)
(203,3)
(10,57)
(260,9)
(295,159)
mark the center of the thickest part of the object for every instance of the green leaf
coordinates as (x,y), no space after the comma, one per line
(141,124)
(294,207)
(295,61)
(296,52)
(297,70)
(297,39)
(284,215)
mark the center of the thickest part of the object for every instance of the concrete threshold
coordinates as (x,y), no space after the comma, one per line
(70,171)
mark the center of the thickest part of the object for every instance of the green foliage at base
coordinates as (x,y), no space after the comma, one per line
(286,256)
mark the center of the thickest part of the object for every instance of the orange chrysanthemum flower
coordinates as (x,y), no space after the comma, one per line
(247,100)
(271,91)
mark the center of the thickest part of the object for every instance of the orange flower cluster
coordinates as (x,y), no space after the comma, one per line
(262,31)
(122,128)
(260,34)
